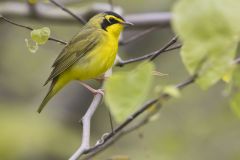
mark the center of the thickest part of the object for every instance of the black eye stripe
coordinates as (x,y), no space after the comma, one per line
(105,23)
(114,14)
(113,21)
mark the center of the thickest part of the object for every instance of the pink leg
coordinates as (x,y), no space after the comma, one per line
(101,79)
(94,91)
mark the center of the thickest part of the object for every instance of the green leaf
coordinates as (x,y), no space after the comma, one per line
(172,91)
(125,91)
(235,104)
(41,35)
(211,62)
(202,15)
(209,43)
(32,46)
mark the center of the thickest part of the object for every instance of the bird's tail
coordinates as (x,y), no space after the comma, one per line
(54,88)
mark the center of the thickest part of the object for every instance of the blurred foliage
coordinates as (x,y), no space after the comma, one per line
(26,135)
(126,91)
(210,44)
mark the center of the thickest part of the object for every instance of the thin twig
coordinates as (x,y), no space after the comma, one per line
(125,131)
(86,121)
(16,24)
(121,63)
(57,40)
(170,43)
(112,137)
(137,36)
(19,10)
(80,19)
(124,124)
(30,28)
(190,80)
(146,106)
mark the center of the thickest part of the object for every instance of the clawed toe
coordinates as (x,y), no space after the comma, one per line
(99,91)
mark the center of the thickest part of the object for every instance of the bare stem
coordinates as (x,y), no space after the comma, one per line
(19,10)
(80,19)
(125,131)
(86,121)
(137,36)
(106,140)
(170,43)
(120,127)
(30,28)
(121,63)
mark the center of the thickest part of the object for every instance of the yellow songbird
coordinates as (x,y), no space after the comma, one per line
(88,55)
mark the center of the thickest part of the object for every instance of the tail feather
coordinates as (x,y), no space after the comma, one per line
(49,95)
(54,88)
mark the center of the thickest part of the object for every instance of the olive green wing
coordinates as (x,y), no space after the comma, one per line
(78,47)
(69,49)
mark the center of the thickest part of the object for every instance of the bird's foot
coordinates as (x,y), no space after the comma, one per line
(94,91)
(101,79)
(99,91)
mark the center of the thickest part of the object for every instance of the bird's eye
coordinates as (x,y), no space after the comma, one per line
(113,21)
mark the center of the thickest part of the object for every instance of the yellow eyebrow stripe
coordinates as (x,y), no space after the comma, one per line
(110,16)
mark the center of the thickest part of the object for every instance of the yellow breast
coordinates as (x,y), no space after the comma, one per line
(97,61)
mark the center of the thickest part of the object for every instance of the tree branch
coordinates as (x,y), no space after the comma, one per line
(86,121)
(185,83)
(137,36)
(79,18)
(106,141)
(166,46)
(121,63)
(109,138)
(50,14)
(125,131)
(30,28)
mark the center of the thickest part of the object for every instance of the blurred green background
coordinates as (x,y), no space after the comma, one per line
(197,126)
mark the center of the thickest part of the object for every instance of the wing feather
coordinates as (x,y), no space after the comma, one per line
(78,47)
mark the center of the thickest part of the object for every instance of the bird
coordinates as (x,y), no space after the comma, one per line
(88,55)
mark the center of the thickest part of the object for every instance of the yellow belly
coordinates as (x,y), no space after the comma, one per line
(96,62)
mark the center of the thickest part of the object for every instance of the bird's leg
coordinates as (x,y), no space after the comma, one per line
(102,78)
(94,91)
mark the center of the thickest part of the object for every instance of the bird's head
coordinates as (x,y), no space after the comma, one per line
(110,22)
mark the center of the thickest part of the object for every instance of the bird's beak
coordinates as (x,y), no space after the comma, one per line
(127,23)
